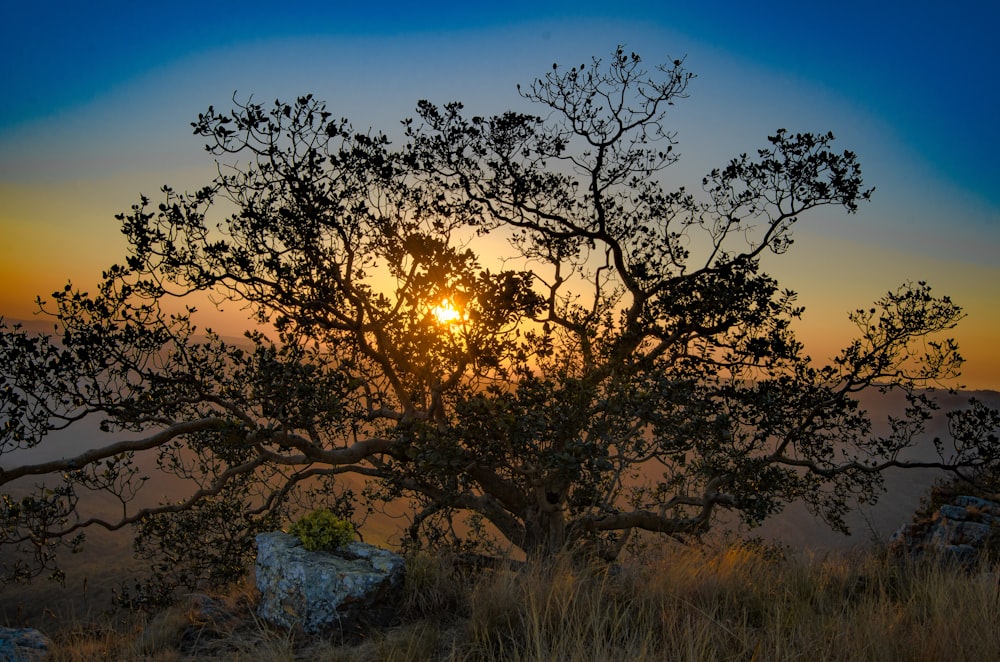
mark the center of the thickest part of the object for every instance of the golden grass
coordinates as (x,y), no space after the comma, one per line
(732,603)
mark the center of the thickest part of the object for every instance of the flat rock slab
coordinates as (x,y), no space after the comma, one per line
(23,645)
(358,585)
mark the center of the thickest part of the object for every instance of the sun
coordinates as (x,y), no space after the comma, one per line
(445,313)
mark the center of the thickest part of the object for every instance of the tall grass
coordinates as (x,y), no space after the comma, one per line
(739,604)
(733,603)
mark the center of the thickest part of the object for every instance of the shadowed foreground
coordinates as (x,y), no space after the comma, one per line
(736,603)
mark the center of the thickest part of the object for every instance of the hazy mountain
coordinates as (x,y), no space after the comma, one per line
(903,487)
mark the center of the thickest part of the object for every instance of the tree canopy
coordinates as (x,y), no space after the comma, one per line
(510,325)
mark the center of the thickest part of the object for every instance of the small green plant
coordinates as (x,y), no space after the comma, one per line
(321,530)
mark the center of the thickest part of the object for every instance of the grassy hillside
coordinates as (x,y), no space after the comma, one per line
(730,603)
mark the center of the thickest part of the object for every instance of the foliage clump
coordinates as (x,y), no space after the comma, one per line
(321,530)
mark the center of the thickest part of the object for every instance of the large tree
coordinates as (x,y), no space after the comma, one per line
(509,320)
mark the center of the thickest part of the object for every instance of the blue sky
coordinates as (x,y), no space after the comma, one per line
(930,68)
(97,102)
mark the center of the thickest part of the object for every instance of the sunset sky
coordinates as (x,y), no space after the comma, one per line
(97,106)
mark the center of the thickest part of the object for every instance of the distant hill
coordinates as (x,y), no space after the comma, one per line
(44,324)
(903,487)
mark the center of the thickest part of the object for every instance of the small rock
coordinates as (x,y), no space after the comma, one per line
(953,532)
(956,532)
(23,645)
(977,503)
(954,512)
(208,611)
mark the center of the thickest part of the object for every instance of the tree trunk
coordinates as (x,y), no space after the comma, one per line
(544,532)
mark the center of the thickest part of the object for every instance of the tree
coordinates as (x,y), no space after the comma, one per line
(505,319)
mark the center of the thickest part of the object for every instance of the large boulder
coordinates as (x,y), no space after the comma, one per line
(23,645)
(355,587)
(958,531)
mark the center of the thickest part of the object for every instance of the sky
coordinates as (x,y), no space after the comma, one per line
(98,101)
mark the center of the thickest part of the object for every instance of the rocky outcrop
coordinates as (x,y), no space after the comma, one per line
(23,645)
(355,587)
(958,531)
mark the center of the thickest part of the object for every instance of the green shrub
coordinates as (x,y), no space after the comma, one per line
(321,530)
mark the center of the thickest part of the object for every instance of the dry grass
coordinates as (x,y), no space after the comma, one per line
(735,603)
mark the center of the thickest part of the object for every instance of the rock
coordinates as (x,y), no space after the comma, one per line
(977,503)
(206,610)
(357,586)
(956,512)
(964,555)
(956,532)
(23,645)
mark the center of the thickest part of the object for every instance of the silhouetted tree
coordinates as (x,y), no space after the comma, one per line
(613,357)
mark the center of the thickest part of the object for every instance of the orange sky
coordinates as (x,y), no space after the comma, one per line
(66,170)
(67,232)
